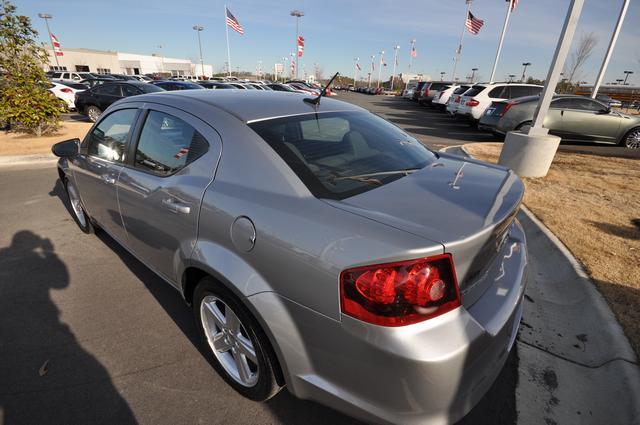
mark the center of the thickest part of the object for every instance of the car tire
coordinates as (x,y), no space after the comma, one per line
(78,212)
(525,126)
(631,140)
(258,382)
(93,112)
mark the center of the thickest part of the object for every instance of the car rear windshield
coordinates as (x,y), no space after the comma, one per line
(341,154)
(150,88)
(461,90)
(76,86)
(475,90)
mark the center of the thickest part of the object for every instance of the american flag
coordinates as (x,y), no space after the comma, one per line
(233,22)
(473,24)
(300,45)
(56,46)
(358,66)
(514,3)
(413,52)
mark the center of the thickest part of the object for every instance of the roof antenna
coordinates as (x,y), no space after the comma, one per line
(323,92)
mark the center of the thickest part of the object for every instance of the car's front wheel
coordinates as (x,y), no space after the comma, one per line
(79,214)
(93,112)
(241,352)
(632,139)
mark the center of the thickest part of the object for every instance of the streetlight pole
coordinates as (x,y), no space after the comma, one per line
(442,75)
(626,76)
(511,77)
(46,17)
(198,29)
(298,14)
(395,61)
(473,74)
(525,64)
(612,44)
(380,67)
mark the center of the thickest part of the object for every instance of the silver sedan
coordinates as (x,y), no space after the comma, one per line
(320,247)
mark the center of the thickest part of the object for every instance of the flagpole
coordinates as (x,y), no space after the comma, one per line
(355,71)
(228,50)
(395,61)
(413,46)
(380,67)
(504,31)
(464,29)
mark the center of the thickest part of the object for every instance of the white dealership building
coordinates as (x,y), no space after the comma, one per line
(110,62)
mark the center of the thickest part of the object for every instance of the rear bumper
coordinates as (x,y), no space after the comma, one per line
(432,372)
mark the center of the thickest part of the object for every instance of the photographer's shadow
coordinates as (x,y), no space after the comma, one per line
(45,374)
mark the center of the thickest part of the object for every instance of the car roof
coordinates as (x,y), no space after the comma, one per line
(247,105)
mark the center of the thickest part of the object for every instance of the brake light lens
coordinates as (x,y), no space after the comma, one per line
(66,90)
(441,94)
(472,102)
(506,108)
(402,293)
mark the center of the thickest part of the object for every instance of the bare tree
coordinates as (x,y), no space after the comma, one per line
(579,56)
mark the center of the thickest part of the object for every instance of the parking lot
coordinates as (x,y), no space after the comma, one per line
(90,335)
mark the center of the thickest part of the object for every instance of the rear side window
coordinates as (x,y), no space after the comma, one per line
(110,89)
(107,140)
(341,154)
(475,90)
(461,90)
(130,91)
(167,144)
(499,93)
(519,91)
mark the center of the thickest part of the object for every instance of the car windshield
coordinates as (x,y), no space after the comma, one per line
(150,88)
(461,90)
(341,154)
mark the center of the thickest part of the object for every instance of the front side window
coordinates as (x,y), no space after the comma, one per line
(167,144)
(341,154)
(109,137)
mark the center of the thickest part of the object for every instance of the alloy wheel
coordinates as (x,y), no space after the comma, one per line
(93,113)
(229,341)
(632,140)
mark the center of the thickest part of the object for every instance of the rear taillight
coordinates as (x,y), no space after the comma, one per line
(398,294)
(441,94)
(506,108)
(66,90)
(472,103)
(457,99)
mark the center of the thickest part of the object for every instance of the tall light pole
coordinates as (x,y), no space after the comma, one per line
(198,29)
(160,46)
(46,17)
(511,77)
(395,61)
(442,75)
(612,44)
(524,70)
(355,70)
(473,74)
(298,14)
(380,66)
(619,80)
(626,76)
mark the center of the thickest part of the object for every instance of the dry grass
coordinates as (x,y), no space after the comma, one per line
(591,203)
(26,144)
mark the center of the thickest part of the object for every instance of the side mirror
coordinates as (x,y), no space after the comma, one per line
(67,149)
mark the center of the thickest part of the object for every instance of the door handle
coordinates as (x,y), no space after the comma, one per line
(108,179)
(562,112)
(176,207)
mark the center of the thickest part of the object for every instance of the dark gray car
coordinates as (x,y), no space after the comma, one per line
(573,118)
(320,246)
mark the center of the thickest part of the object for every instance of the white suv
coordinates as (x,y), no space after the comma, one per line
(441,99)
(478,98)
(71,76)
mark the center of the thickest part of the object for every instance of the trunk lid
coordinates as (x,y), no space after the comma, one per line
(465,205)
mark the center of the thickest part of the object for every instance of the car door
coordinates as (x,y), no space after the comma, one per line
(162,185)
(98,166)
(588,120)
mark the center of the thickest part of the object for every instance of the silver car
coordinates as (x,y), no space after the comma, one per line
(320,247)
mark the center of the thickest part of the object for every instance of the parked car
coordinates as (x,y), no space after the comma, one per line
(573,118)
(122,77)
(478,98)
(282,87)
(441,99)
(418,90)
(93,101)
(454,100)
(71,76)
(96,81)
(177,85)
(430,90)
(215,85)
(407,93)
(613,103)
(315,250)
(142,78)
(66,91)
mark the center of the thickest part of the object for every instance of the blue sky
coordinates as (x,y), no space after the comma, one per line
(337,31)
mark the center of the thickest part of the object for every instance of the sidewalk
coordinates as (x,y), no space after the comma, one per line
(575,363)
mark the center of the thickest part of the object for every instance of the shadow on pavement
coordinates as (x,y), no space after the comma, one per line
(46,376)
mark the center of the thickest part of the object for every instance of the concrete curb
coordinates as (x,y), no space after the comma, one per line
(11,160)
(575,362)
